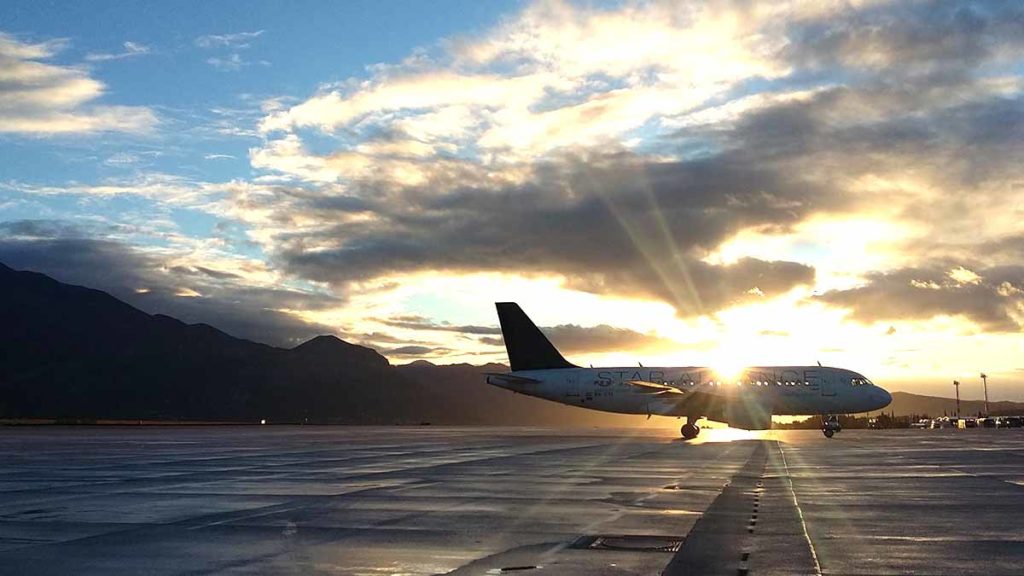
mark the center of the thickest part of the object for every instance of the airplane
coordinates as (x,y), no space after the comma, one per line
(746,401)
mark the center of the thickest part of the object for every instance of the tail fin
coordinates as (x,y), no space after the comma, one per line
(528,348)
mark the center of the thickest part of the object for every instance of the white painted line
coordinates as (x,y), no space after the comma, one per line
(799,512)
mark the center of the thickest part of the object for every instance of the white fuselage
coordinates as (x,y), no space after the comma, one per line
(778,390)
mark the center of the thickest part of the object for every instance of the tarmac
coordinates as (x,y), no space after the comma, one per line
(484,501)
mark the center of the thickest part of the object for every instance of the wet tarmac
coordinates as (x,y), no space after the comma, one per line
(427,500)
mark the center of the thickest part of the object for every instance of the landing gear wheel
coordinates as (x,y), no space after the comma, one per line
(830,425)
(689,431)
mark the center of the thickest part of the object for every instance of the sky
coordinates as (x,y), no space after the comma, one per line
(673,183)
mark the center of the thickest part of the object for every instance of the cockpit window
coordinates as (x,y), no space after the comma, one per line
(860,382)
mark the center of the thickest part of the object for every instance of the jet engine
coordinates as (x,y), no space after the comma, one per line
(751,421)
(744,415)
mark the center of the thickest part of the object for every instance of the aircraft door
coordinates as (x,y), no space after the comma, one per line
(828,385)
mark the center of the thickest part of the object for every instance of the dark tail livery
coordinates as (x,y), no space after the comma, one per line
(528,348)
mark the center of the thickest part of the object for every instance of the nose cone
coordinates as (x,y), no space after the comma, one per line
(882,397)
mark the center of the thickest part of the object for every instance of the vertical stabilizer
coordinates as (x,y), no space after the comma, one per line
(527,347)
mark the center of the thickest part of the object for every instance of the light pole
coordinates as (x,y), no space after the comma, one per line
(956,384)
(984,380)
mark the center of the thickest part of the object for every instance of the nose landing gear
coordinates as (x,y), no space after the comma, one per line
(830,425)
(689,431)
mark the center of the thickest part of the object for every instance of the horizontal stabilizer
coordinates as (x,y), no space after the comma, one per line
(502,378)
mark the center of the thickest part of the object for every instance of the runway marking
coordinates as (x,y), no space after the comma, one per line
(235,519)
(713,545)
(986,476)
(725,543)
(799,512)
(549,555)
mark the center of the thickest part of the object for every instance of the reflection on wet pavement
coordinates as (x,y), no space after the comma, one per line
(428,500)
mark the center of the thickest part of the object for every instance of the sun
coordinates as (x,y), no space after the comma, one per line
(728,369)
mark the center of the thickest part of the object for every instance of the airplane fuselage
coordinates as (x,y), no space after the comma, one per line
(780,390)
(746,400)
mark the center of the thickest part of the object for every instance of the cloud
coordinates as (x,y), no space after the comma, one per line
(422,323)
(569,338)
(574,339)
(232,43)
(923,39)
(41,98)
(555,76)
(993,298)
(231,296)
(122,159)
(233,62)
(131,50)
(495,187)
(415,351)
(166,188)
(612,225)
(375,339)
(237,40)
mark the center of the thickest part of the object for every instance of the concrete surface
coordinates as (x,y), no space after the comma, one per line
(427,500)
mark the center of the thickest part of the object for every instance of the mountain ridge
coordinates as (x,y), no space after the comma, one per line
(75,352)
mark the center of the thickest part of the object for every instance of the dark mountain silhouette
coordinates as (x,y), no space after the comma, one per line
(73,352)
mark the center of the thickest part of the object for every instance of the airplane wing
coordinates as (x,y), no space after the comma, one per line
(683,402)
(654,388)
(698,400)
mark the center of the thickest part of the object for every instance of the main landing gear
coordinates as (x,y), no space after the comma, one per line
(689,430)
(830,425)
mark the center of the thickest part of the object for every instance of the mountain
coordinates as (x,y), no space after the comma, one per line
(73,352)
(70,351)
(907,404)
